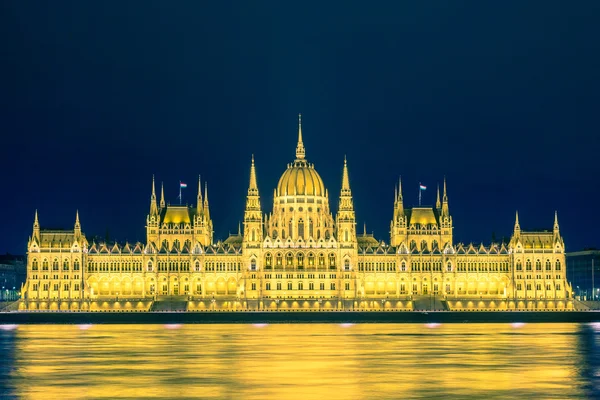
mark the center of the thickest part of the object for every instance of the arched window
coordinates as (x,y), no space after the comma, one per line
(283,233)
(311,259)
(290,228)
(253,235)
(449,267)
(301,228)
(548,265)
(519,265)
(321,259)
(65,265)
(34,265)
(311,232)
(275,234)
(413,245)
(165,243)
(289,259)
(538,265)
(45,265)
(423,245)
(76,265)
(176,244)
(149,266)
(528,265)
(197,265)
(347,265)
(332,260)
(403,266)
(300,258)
(55,265)
(279,259)
(434,245)
(557,265)
(346,235)
(318,234)
(253,265)
(268,259)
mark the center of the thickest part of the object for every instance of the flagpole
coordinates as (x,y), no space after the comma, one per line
(179,192)
(419,194)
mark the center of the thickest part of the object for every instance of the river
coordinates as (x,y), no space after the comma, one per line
(302,361)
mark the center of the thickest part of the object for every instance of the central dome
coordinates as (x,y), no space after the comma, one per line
(300,178)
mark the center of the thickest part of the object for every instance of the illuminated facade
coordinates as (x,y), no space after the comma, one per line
(298,256)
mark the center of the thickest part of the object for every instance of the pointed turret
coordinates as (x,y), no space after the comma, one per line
(162,195)
(199,196)
(36,226)
(345,179)
(399,201)
(438,203)
(206,210)
(153,207)
(252,187)
(517,229)
(445,208)
(556,229)
(77,225)
(300,152)
(253,224)
(346,219)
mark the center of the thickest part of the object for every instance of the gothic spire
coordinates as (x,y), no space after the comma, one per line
(252,187)
(77,224)
(199,196)
(445,198)
(345,179)
(153,207)
(36,226)
(556,221)
(438,203)
(162,195)
(300,152)
(517,226)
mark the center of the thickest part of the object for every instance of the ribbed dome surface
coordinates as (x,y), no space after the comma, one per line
(300,178)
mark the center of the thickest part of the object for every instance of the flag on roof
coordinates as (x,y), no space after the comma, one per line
(182,185)
(422,187)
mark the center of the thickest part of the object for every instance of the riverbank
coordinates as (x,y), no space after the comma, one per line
(291,317)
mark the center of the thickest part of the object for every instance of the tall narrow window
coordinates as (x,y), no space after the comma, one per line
(301,228)
(290,228)
(311,233)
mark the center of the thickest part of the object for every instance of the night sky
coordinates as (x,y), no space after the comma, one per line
(502,98)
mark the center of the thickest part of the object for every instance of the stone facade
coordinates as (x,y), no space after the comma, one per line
(298,256)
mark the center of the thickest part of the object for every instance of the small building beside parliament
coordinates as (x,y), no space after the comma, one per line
(296,256)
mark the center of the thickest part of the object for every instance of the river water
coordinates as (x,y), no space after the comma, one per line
(325,361)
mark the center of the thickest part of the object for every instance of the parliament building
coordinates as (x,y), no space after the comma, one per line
(297,256)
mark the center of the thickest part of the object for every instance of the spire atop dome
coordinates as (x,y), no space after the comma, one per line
(162,195)
(300,152)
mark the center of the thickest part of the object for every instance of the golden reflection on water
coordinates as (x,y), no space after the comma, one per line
(299,361)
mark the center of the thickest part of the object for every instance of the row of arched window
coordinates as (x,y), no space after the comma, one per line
(299,260)
(538,265)
(55,265)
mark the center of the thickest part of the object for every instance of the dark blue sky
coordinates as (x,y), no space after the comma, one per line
(500,97)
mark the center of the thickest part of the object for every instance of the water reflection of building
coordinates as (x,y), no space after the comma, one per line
(584,273)
(298,256)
